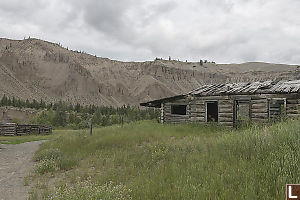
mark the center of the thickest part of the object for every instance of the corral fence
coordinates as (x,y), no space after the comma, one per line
(12,129)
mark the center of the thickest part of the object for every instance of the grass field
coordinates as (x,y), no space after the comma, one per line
(146,160)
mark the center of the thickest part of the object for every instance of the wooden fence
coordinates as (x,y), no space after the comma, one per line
(12,129)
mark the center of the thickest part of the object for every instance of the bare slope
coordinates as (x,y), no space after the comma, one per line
(37,69)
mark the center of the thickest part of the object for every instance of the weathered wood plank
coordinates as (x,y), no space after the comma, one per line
(212,98)
(197,106)
(198,110)
(197,113)
(259,105)
(197,119)
(227,110)
(292,106)
(260,110)
(225,119)
(16,129)
(292,112)
(227,106)
(202,116)
(226,123)
(259,115)
(176,121)
(176,118)
(259,101)
(228,115)
(293,115)
(259,120)
(292,101)
(198,102)
(225,103)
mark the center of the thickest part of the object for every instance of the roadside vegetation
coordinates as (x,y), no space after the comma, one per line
(147,160)
(64,115)
(22,139)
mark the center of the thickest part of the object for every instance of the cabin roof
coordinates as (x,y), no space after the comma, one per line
(259,87)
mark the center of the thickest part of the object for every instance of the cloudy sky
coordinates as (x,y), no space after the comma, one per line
(225,31)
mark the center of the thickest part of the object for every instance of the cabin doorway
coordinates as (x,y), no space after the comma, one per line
(212,111)
(277,109)
(242,113)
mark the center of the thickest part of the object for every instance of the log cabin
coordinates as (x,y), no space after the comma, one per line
(232,104)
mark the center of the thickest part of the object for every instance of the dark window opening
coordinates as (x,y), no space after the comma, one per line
(212,111)
(178,109)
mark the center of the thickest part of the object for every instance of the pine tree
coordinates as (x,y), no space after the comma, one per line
(4,101)
(201,62)
(9,103)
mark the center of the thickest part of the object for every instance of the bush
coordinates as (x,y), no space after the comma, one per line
(47,154)
(83,124)
(45,166)
(66,163)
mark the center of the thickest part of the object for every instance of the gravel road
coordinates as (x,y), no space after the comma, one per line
(15,164)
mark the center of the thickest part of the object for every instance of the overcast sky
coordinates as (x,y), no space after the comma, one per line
(225,31)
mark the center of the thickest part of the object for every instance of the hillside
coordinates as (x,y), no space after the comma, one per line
(38,69)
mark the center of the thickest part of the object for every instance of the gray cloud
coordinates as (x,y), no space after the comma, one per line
(224,31)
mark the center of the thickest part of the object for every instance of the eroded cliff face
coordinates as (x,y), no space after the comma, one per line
(38,69)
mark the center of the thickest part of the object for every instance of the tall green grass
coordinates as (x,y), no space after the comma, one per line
(187,161)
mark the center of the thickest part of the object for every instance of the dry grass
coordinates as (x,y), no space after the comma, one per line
(186,161)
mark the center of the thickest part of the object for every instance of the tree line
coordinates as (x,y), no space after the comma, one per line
(77,116)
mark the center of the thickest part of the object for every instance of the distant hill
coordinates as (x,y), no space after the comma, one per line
(33,68)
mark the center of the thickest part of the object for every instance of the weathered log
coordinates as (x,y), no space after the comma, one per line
(293,115)
(292,112)
(226,123)
(227,110)
(258,101)
(292,101)
(259,115)
(213,98)
(225,119)
(225,102)
(259,119)
(197,111)
(259,110)
(226,106)
(197,119)
(259,105)
(292,106)
(228,115)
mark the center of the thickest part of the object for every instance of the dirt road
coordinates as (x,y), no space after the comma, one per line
(15,164)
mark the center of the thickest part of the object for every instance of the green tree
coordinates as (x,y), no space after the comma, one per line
(201,62)
(4,101)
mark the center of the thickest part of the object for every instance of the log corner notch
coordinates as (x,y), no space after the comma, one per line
(13,129)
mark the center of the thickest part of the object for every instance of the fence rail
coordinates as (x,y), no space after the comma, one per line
(12,129)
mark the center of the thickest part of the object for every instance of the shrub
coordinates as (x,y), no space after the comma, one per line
(66,163)
(45,166)
(47,154)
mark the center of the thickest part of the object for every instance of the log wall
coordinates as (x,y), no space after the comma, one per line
(259,108)
(12,129)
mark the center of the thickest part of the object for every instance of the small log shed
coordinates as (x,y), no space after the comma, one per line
(232,104)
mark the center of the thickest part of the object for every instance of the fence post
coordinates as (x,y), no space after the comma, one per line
(91,126)
(122,120)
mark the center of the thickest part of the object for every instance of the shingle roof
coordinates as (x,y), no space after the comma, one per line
(259,87)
